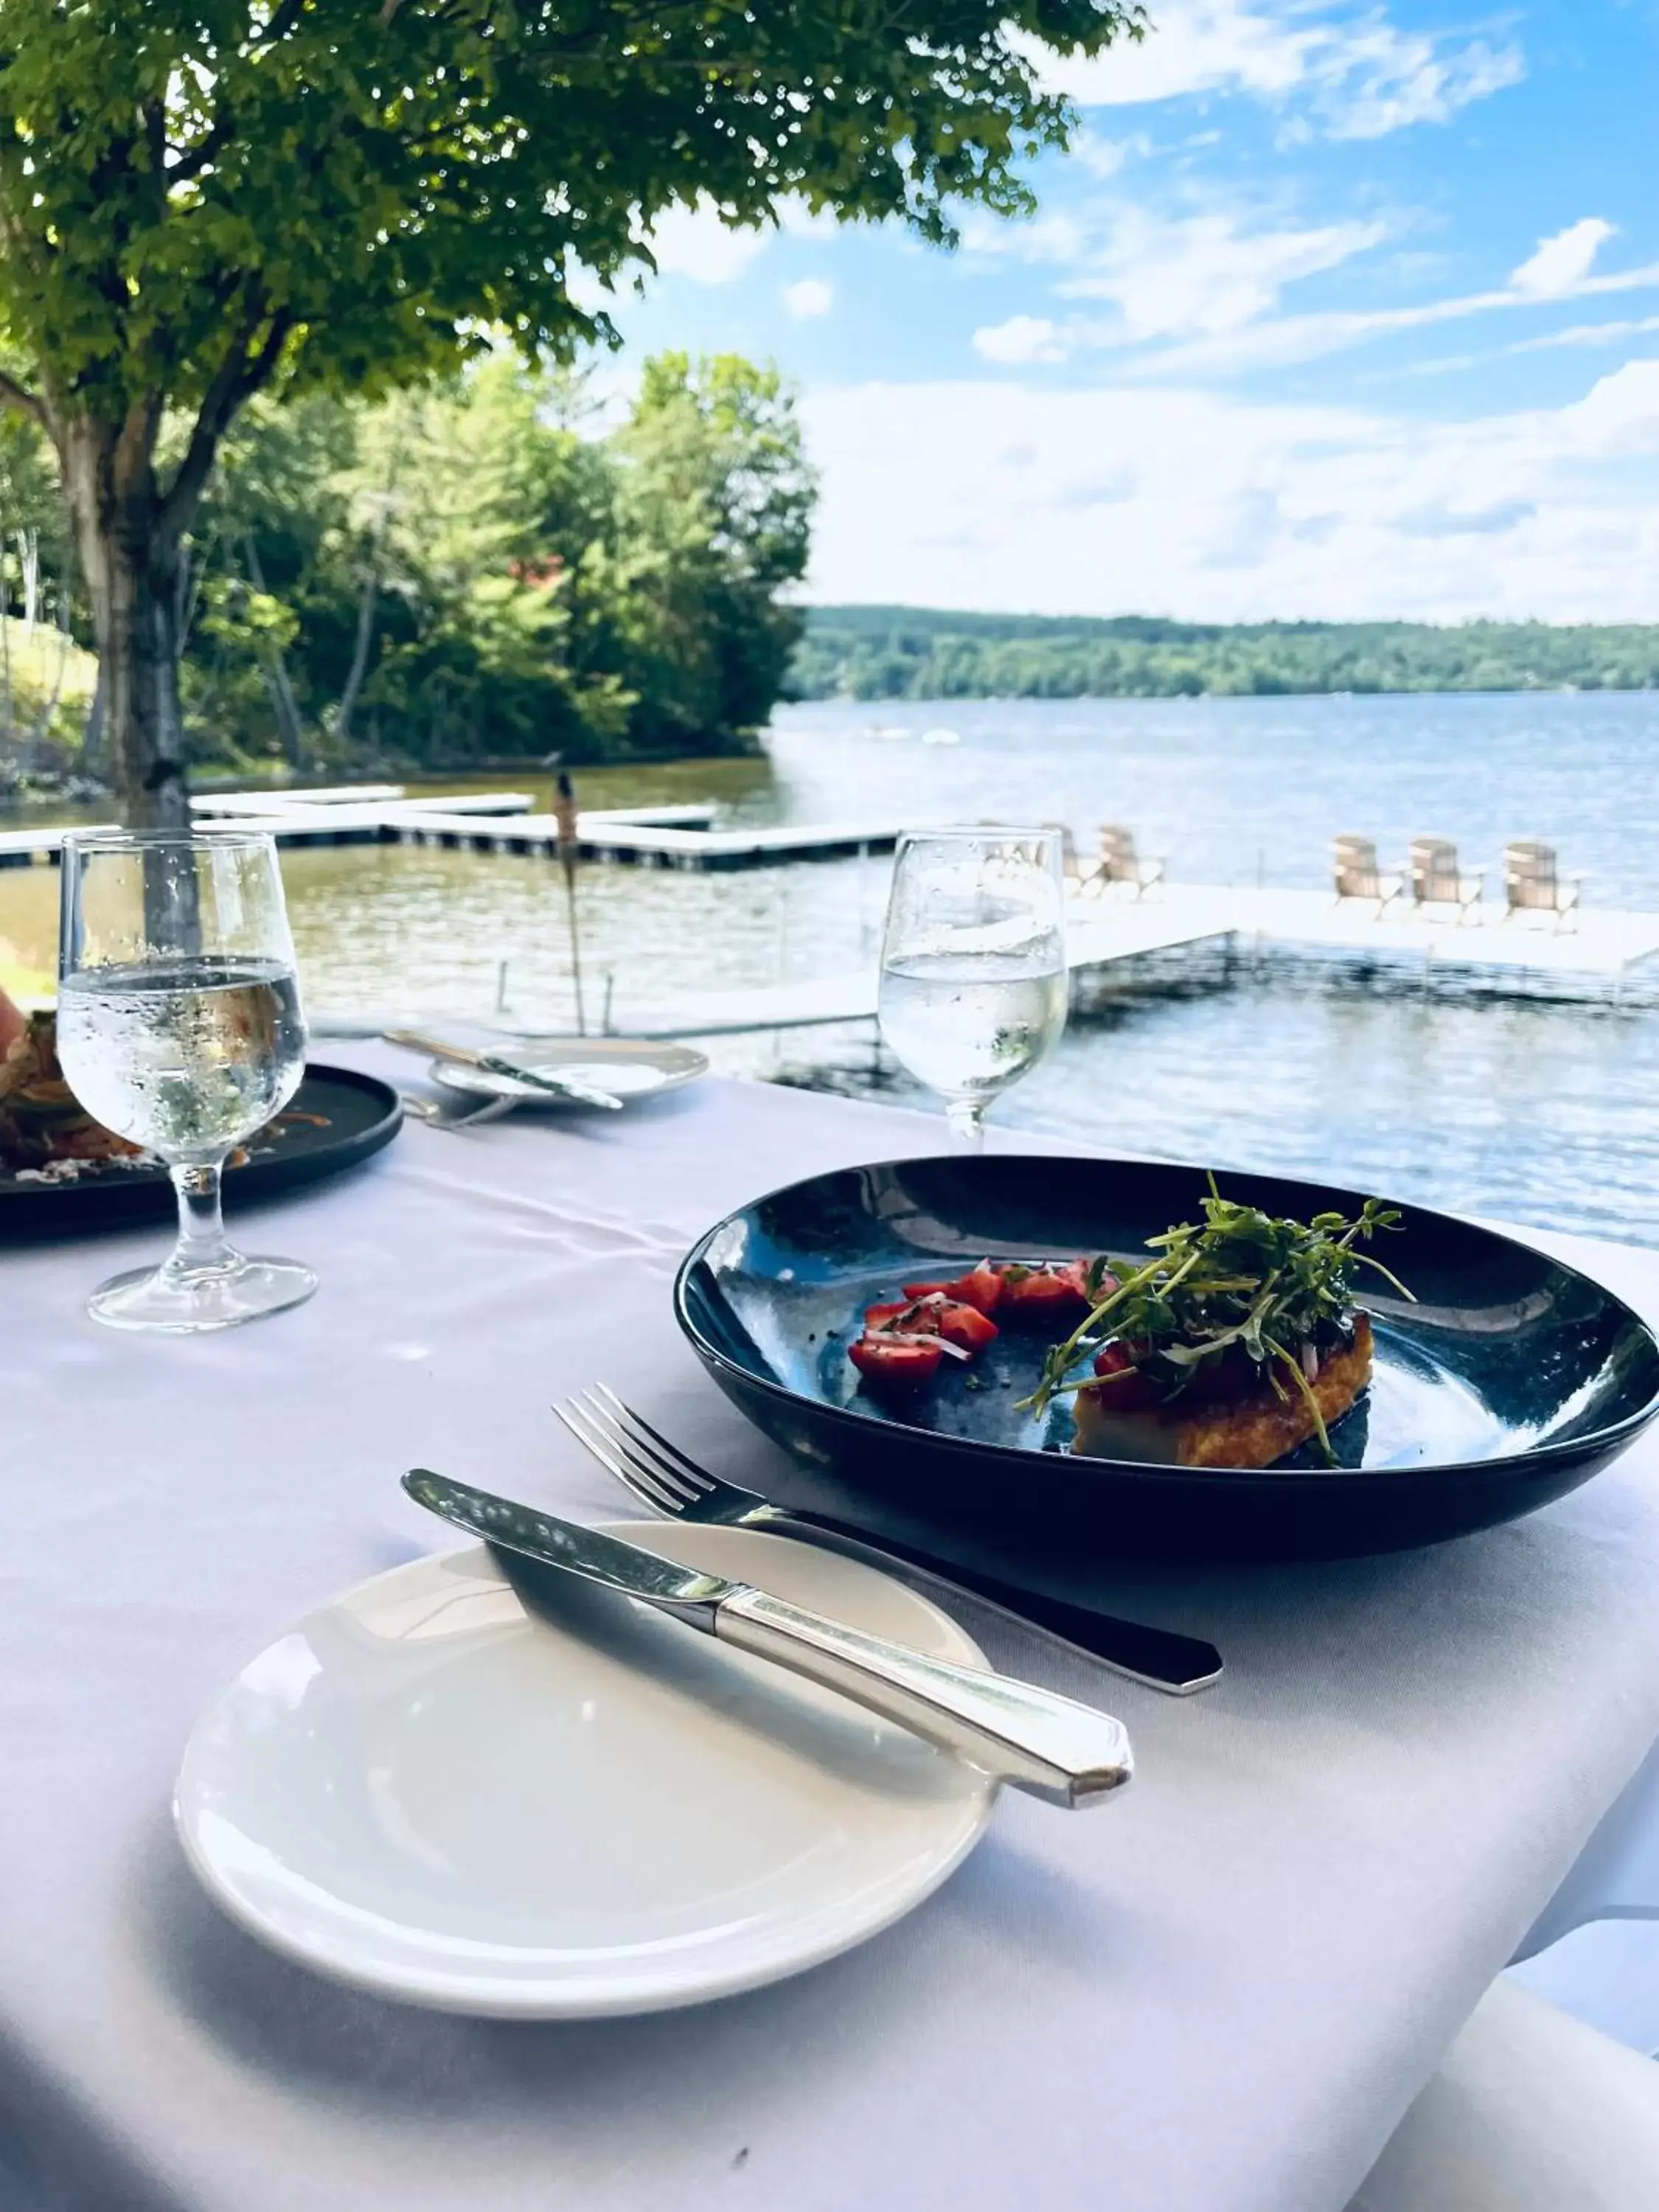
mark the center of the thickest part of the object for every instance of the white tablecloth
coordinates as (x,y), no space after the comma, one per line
(1217,1995)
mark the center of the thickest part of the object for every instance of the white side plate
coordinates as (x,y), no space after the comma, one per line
(626,1067)
(430,1790)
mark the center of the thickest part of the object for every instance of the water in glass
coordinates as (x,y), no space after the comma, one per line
(186,1059)
(179,1027)
(973,983)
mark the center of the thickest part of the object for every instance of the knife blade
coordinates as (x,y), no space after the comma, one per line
(1162,1658)
(1066,1753)
(556,1082)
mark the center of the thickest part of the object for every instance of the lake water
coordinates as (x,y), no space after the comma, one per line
(1523,1106)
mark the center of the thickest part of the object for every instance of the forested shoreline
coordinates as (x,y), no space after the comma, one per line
(493,567)
(914,653)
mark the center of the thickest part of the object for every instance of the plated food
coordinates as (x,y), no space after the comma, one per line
(1235,1342)
(46,1133)
(62,1171)
(906,1339)
(1502,1382)
(48,1136)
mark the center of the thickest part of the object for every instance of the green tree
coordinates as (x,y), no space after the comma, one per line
(472,655)
(711,511)
(202,198)
(35,661)
(477,567)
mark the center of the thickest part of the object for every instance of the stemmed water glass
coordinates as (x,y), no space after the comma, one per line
(179,1027)
(973,964)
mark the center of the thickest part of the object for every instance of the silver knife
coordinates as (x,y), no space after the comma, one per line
(559,1085)
(1066,1753)
(1161,1658)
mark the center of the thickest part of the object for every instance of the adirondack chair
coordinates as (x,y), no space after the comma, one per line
(1119,862)
(1357,876)
(1436,879)
(1531,884)
(1082,878)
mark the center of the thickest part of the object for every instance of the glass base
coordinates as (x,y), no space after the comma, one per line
(180,1301)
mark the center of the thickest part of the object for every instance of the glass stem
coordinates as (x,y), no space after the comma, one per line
(202,1248)
(966,1117)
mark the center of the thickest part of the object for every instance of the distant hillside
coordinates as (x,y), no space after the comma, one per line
(919,653)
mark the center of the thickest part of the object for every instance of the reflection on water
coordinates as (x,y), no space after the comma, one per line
(1522,1110)
(1537,1111)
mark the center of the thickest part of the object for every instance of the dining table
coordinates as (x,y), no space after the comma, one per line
(1219,1992)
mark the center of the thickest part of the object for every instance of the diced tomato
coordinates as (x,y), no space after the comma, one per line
(900,1362)
(980,1287)
(879,1317)
(1128,1390)
(967,1326)
(1039,1293)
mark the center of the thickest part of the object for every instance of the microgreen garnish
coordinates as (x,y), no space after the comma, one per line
(1241,1277)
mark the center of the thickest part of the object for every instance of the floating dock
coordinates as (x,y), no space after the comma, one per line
(1591,948)
(1102,933)
(669,836)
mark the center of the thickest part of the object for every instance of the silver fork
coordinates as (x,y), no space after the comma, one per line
(661,1475)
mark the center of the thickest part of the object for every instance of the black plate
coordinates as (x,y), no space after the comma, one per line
(362,1113)
(1511,1381)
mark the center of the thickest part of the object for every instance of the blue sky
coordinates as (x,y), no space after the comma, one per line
(1334,310)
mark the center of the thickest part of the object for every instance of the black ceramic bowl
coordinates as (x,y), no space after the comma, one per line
(1510,1381)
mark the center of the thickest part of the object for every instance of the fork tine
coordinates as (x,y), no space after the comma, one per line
(642,1430)
(602,1448)
(625,1437)
(640,1454)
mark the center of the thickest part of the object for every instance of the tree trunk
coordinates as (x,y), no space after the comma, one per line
(131,564)
(92,740)
(273,667)
(29,552)
(359,668)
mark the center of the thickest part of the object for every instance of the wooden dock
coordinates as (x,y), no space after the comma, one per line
(668,836)
(1105,932)
(1094,942)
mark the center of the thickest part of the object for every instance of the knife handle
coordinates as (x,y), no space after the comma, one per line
(1067,1753)
(416,1041)
(1159,1658)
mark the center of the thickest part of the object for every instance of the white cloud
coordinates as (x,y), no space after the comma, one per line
(1564,261)
(1374,80)
(1104,157)
(1587,334)
(1277,342)
(1346,70)
(802,221)
(1204,275)
(1022,338)
(1202,504)
(1620,414)
(1198,292)
(1057,235)
(693,242)
(1194,275)
(808,298)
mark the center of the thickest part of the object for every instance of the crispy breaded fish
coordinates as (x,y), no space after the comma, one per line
(1251,1425)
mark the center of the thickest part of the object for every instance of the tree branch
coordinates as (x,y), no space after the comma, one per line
(201,154)
(220,132)
(284,20)
(240,374)
(13,394)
